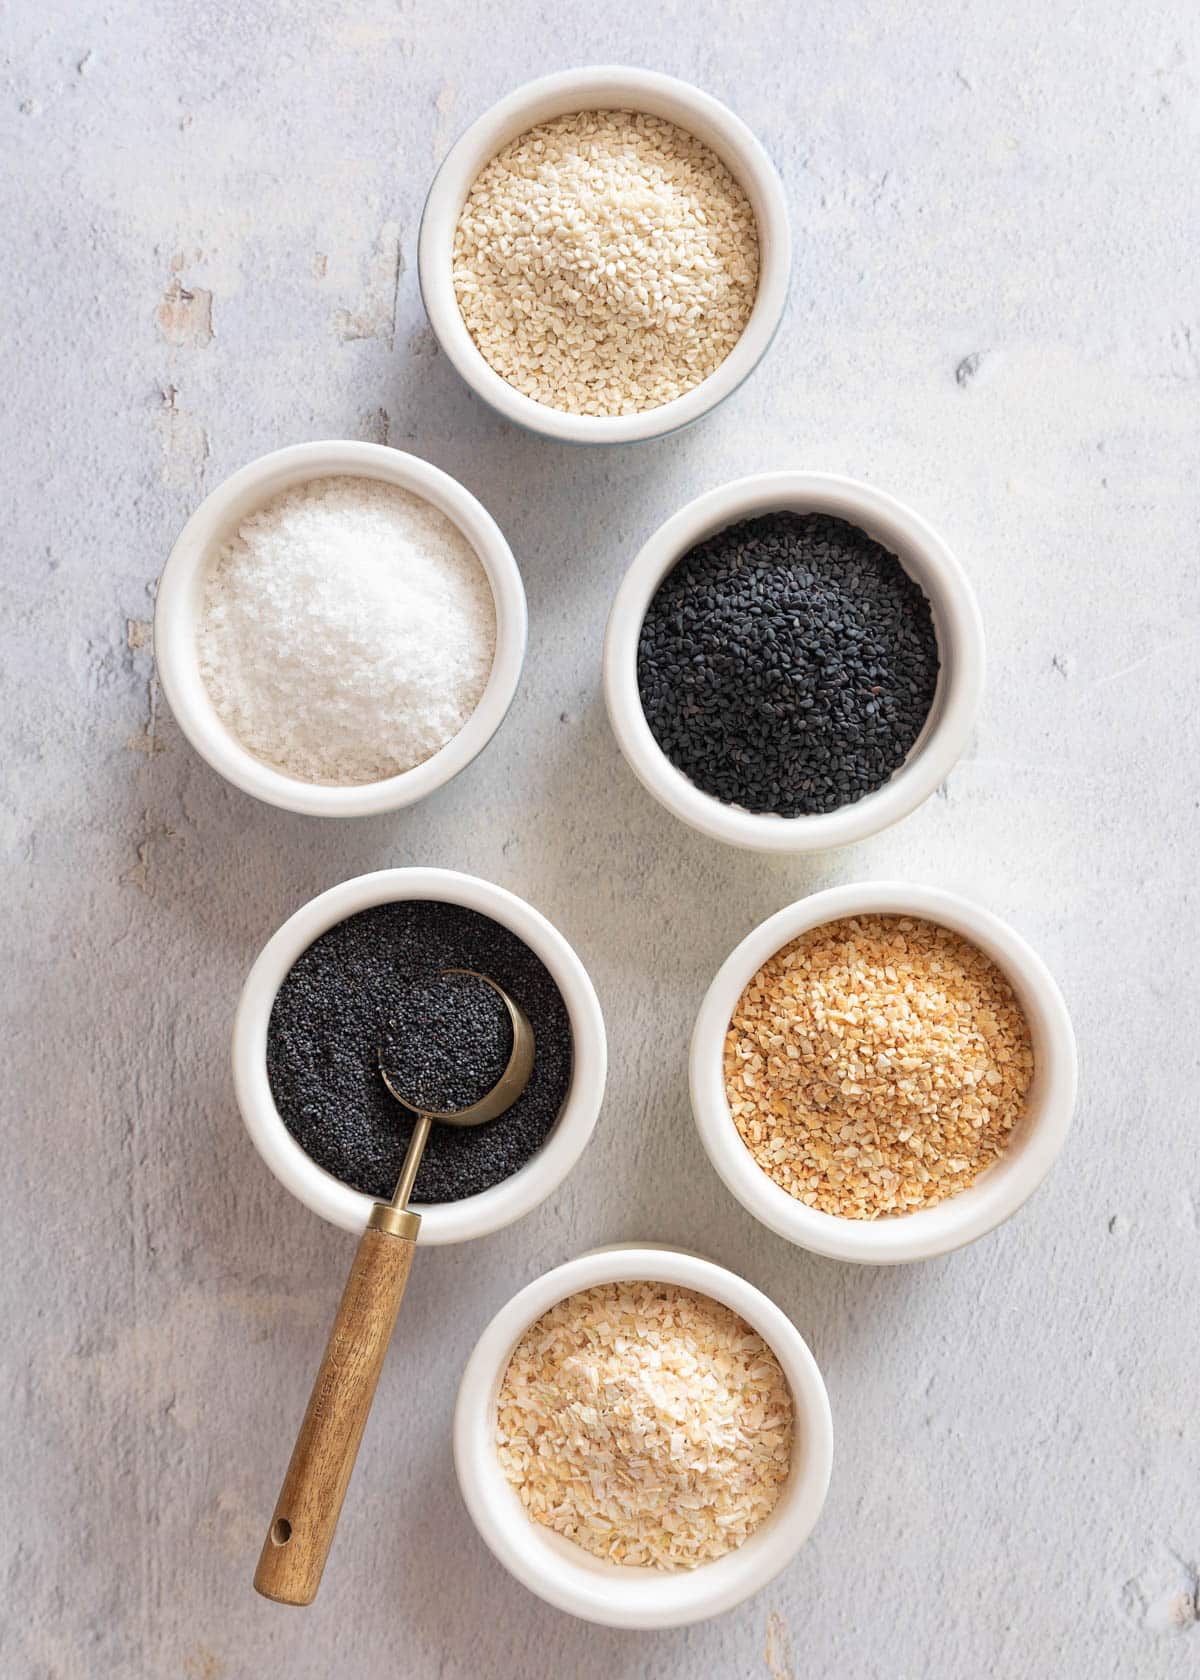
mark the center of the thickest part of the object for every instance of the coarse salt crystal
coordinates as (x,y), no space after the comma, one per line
(347,631)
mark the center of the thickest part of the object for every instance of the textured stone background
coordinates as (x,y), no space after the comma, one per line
(212,213)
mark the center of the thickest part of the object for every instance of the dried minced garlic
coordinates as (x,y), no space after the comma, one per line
(876,1065)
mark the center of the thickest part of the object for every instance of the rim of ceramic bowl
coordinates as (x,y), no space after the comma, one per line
(441,1222)
(924,556)
(1000,1190)
(604,87)
(564,1574)
(179,599)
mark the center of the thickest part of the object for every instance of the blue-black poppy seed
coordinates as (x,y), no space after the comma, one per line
(354,989)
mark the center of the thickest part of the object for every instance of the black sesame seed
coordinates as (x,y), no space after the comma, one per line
(332,1013)
(814,651)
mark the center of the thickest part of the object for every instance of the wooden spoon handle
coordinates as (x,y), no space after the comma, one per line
(310,1501)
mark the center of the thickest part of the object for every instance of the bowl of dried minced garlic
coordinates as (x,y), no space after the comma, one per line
(883,1072)
(642,1438)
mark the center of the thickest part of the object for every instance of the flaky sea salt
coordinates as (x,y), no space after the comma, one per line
(347,631)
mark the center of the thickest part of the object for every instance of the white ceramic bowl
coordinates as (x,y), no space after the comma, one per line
(604,88)
(999,1190)
(563,1573)
(180,598)
(441,1222)
(924,557)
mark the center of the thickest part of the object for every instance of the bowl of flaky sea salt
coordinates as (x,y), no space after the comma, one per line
(340,628)
(642,1438)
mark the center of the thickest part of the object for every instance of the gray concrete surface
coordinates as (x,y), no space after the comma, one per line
(211,214)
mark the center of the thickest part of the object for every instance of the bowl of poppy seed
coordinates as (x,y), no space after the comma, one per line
(388,962)
(883,1072)
(604,255)
(794,661)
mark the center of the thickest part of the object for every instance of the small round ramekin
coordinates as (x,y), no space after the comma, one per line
(563,1573)
(924,557)
(179,604)
(999,1190)
(441,1222)
(604,88)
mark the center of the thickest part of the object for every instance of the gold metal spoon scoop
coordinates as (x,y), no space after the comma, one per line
(310,1502)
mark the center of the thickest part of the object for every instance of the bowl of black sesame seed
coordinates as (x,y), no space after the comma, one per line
(348,971)
(793,662)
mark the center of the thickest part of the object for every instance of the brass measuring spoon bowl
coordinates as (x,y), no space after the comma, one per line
(395,1215)
(306,1513)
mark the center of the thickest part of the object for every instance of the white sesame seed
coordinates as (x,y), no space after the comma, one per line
(606,262)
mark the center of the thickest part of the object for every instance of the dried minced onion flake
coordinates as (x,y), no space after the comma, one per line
(649,1424)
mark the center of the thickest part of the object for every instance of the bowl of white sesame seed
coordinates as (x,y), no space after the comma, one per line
(883,1072)
(604,255)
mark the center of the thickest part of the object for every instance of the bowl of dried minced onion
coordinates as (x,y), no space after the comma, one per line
(642,1438)
(883,1072)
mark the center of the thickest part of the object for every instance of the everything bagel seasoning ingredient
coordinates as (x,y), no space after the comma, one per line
(649,1424)
(877,1065)
(368,980)
(347,632)
(447,1044)
(787,664)
(605,262)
